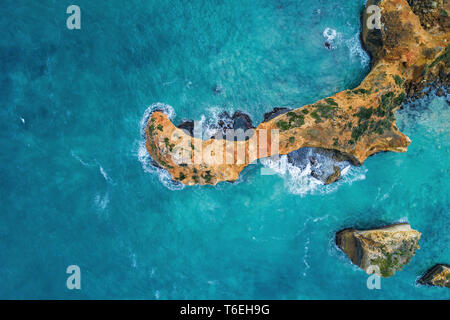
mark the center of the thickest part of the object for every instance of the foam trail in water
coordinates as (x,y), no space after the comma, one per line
(165,108)
(305,257)
(299,180)
(104,174)
(356,50)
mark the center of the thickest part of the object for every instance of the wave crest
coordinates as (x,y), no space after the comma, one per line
(298,179)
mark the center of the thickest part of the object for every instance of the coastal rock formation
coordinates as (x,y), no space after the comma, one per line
(384,250)
(275,112)
(325,165)
(433,16)
(432,13)
(439,275)
(357,123)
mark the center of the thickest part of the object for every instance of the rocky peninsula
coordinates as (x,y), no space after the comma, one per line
(384,250)
(407,54)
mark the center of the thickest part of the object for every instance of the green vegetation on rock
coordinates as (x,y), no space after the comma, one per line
(207,176)
(168,144)
(316,116)
(283,125)
(398,80)
(363,91)
(295,121)
(364,113)
(181,177)
(331,101)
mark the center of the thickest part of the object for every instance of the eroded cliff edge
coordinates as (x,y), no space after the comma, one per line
(383,251)
(356,123)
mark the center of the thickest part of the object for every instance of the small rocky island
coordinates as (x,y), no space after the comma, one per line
(439,275)
(408,53)
(384,250)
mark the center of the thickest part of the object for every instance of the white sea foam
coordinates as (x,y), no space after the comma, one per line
(320,218)
(329,34)
(163,176)
(356,50)
(333,37)
(299,181)
(403,220)
(209,122)
(104,174)
(133,260)
(168,110)
(305,257)
(353,44)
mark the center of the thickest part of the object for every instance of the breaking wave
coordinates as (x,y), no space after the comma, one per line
(356,50)
(335,39)
(298,177)
(298,180)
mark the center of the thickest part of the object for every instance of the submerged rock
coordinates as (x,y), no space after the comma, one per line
(224,123)
(439,275)
(440,92)
(238,121)
(187,125)
(383,250)
(217,89)
(242,121)
(325,165)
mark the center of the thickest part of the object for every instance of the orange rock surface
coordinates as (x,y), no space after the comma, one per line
(357,123)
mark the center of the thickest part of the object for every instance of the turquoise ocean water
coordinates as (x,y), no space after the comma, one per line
(76,187)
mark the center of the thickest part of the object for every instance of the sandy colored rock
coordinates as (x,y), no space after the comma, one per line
(383,251)
(335,176)
(357,123)
(439,275)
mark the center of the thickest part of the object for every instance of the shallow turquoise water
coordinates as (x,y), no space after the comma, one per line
(75,189)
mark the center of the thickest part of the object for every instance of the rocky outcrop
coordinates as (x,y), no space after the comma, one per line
(324,165)
(187,126)
(357,123)
(433,14)
(439,275)
(241,120)
(383,251)
(334,176)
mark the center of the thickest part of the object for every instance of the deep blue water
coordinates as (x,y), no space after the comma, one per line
(76,189)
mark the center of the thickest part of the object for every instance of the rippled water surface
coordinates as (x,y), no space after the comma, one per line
(77,188)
